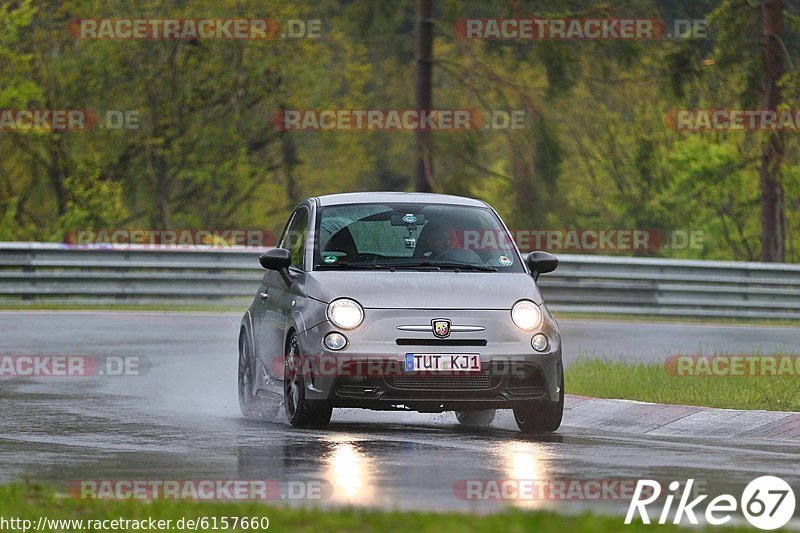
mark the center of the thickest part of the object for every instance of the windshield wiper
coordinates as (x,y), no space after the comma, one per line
(344,265)
(426,265)
(435,265)
(459,266)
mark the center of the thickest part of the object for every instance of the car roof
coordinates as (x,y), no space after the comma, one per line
(389,197)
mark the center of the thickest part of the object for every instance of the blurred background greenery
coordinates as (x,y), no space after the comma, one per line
(596,151)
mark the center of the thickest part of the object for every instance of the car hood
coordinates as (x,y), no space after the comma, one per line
(424,290)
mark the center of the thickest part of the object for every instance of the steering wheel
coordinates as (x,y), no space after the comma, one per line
(460,255)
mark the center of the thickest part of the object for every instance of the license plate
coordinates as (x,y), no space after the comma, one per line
(443,362)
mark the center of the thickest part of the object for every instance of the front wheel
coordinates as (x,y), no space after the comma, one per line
(476,419)
(299,411)
(541,417)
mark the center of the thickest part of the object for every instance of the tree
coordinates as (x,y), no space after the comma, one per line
(773,246)
(424,93)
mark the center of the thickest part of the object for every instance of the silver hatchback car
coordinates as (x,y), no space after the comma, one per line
(407,301)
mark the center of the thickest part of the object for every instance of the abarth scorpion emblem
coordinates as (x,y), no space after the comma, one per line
(441,327)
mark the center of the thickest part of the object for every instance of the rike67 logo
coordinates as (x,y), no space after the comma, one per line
(767,502)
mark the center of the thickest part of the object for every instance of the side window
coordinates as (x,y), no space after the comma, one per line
(294,239)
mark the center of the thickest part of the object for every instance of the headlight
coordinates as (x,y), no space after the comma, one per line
(526,315)
(345,313)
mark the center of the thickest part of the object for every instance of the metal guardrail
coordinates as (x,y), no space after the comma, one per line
(38,273)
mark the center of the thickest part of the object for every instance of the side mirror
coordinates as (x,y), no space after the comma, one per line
(276,259)
(541,263)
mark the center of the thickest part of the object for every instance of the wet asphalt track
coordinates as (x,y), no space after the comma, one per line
(181,420)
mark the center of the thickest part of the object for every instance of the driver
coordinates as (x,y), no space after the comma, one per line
(436,239)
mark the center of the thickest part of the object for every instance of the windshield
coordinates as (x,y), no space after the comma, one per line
(420,236)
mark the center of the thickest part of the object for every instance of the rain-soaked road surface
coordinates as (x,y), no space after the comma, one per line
(181,421)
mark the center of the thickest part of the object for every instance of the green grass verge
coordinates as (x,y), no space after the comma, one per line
(32,501)
(652,383)
(722,321)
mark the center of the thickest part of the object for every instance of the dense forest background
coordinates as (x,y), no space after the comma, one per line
(596,151)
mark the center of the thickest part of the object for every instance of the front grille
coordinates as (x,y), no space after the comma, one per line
(441,342)
(479,381)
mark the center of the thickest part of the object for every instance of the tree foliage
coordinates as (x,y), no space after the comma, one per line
(595,152)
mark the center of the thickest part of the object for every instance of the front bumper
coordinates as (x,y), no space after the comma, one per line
(369,373)
(497,386)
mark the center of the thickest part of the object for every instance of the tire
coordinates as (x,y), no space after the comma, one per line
(250,404)
(299,411)
(541,417)
(476,419)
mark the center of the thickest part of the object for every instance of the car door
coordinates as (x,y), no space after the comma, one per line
(278,303)
(266,319)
